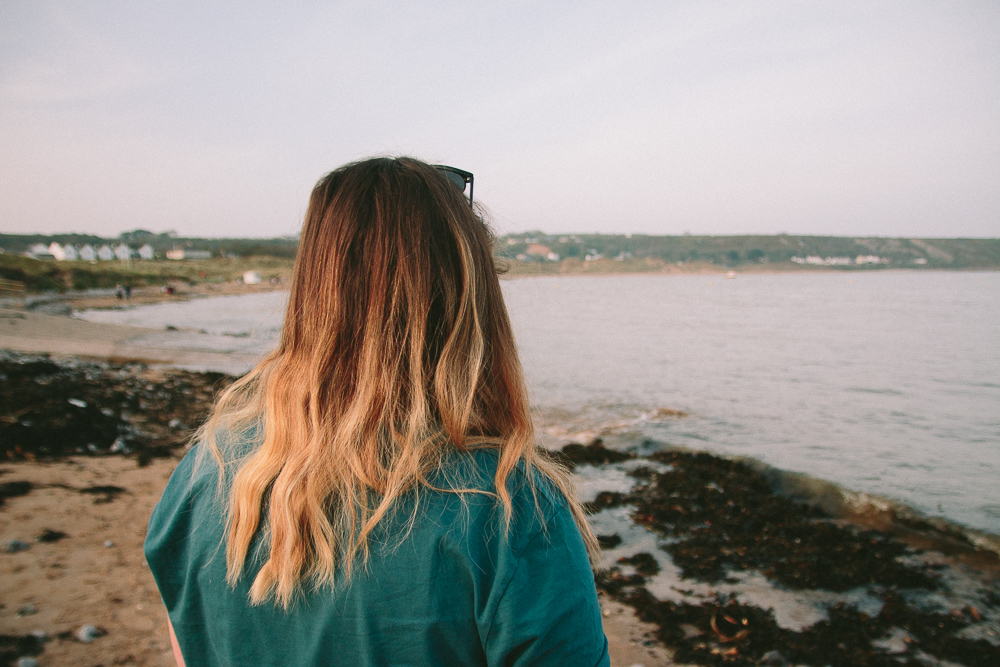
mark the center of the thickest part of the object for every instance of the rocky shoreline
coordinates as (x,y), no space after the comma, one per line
(839,593)
(720,568)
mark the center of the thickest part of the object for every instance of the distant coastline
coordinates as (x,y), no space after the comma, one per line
(30,263)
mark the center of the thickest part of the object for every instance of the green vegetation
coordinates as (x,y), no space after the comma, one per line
(38,275)
(530,253)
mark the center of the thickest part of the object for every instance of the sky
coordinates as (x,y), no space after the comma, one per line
(208,118)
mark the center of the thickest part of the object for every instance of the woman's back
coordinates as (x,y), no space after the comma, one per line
(453,591)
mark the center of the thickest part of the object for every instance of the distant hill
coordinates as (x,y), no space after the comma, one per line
(779,251)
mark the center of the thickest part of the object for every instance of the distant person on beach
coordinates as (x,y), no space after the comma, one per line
(371,493)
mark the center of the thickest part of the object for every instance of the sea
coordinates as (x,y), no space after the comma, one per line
(884,383)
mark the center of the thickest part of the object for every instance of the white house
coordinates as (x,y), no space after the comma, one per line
(39,251)
(66,252)
(105,253)
(123,252)
(146,252)
(251,278)
(57,251)
(180,253)
(87,253)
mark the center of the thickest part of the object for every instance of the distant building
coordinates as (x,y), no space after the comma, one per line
(251,278)
(543,251)
(123,252)
(181,253)
(87,253)
(105,253)
(63,252)
(146,252)
(822,261)
(538,249)
(39,251)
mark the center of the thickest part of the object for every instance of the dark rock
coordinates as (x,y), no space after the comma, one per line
(594,453)
(13,490)
(609,541)
(49,535)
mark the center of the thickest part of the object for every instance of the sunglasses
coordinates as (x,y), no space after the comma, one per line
(458,177)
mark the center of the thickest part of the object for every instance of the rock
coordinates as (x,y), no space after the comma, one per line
(49,535)
(26,661)
(772,658)
(13,546)
(108,543)
(40,635)
(88,633)
(27,610)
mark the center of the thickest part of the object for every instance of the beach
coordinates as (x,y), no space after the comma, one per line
(81,563)
(703,559)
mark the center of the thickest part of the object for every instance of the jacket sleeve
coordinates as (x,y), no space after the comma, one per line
(548,613)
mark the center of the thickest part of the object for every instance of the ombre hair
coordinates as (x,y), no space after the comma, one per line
(396,351)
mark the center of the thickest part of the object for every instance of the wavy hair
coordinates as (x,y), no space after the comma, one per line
(396,349)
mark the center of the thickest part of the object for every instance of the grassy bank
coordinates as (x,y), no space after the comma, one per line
(40,276)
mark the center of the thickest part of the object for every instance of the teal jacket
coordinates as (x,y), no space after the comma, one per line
(456,590)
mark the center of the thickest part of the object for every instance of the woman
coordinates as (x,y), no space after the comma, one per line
(371,493)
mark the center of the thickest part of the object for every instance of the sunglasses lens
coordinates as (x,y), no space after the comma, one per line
(456,180)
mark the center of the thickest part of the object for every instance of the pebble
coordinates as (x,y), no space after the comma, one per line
(87,634)
(40,635)
(27,661)
(27,610)
(13,546)
(109,543)
(77,402)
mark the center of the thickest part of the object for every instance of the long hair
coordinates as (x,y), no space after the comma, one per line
(396,349)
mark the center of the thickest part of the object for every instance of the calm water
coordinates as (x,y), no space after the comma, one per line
(883,382)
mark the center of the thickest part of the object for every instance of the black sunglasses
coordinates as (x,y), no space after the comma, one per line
(458,177)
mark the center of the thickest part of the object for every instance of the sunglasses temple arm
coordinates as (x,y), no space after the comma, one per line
(471,183)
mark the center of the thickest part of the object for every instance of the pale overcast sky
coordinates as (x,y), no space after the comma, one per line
(215,118)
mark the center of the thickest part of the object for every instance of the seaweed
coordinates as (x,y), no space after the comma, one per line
(53,410)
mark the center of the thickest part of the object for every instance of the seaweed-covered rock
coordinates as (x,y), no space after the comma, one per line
(593,453)
(722,516)
(51,409)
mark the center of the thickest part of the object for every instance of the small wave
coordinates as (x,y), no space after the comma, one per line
(991,510)
(884,391)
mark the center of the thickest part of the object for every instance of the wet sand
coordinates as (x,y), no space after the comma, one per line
(35,332)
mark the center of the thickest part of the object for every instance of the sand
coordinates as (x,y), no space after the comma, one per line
(27,331)
(78,580)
